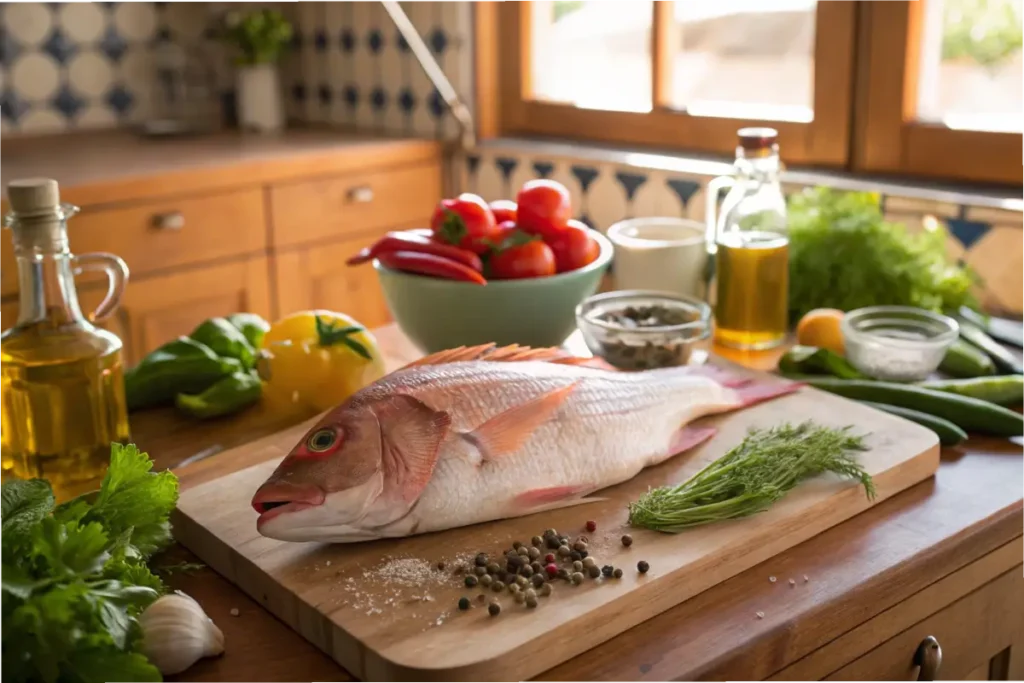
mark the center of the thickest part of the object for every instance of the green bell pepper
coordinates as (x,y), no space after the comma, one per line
(250,325)
(180,366)
(228,395)
(225,340)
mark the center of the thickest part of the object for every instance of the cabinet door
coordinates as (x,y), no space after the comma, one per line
(978,636)
(317,277)
(159,308)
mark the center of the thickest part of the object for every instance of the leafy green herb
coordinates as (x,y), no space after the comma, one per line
(75,576)
(752,476)
(261,36)
(844,254)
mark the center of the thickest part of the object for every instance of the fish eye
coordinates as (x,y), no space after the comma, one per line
(321,440)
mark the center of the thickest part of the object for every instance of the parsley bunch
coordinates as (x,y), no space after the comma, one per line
(844,254)
(75,575)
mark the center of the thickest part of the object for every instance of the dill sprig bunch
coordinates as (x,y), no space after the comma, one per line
(752,476)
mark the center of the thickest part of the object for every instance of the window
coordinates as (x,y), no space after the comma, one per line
(928,87)
(941,93)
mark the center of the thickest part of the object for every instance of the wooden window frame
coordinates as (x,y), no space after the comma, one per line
(822,141)
(887,138)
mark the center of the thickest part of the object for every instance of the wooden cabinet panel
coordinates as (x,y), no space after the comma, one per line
(345,205)
(317,277)
(160,308)
(981,627)
(160,235)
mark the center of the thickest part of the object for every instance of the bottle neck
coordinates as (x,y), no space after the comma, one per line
(761,166)
(46,280)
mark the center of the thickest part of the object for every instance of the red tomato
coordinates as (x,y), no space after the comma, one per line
(574,247)
(543,207)
(503,210)
(532,259)
(505,230)
(465,221)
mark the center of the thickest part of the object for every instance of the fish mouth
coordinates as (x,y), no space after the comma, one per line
(277,498)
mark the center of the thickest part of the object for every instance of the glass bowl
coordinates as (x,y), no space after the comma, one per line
(897,343)
(617,327)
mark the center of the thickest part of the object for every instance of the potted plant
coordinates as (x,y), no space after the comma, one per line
(261,38)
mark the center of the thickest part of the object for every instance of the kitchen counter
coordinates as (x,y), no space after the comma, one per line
(880,577)
(113,166)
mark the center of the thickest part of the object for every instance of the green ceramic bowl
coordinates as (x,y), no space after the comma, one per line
(439,314)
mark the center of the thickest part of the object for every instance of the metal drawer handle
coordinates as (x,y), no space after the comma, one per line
(172,220)
(361,195)
(929,658)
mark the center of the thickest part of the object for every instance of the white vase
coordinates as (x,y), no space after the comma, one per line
(259,98)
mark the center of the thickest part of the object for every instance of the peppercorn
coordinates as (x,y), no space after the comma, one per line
(577,578)
(516,545)
(545,590)
(537,580)
(514,588)
(494,609)
(479,571)
(563,574)
(552,542)
(536,541)
(607,570)
(591,526)
(486,580)
(493,568)
(533,553)
(550,532)
(526,571)
(522,581)
(530,593)
(519,597)
(440,566)
(579,545)
(564,540)
(642,567)
(627,540)
(537,567)
(503,576)
(589,562)
(523,551)
(551,569)
(480,560)
(514,562)
(617,573)
(584,554)
(531,602)
(593,571)
(575,556)
(549,558)
(584,539)
(577,566)
(470,581)
(563,551)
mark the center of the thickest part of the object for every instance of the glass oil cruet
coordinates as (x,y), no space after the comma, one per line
(748,241)
(62,377)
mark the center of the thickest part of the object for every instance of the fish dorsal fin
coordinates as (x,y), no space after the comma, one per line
(506,354)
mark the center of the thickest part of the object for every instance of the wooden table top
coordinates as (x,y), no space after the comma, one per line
(856,570)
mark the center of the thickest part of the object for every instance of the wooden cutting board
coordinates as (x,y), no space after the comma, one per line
(384,611)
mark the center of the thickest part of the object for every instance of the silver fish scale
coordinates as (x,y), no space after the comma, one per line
(610,427)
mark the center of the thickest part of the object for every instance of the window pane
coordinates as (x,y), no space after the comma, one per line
(594,54)
(970,70)
(745,58)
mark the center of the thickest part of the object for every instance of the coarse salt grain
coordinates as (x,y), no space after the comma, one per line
(328,563)
(772,579)
(805,578)
(792,582)
(759,615)
(235,612)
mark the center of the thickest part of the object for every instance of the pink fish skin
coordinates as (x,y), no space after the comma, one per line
(473,435)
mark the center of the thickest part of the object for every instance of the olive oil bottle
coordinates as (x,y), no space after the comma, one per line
(62,377)
(750,246)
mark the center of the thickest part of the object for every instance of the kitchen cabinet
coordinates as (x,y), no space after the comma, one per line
(317,277)
(228,223)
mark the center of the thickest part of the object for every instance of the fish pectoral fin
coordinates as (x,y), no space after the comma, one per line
(685,438)
(411,436)
(508,431)
(551,498)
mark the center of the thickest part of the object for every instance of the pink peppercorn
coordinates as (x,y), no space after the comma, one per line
(549,558)
(551,570)
(591,526)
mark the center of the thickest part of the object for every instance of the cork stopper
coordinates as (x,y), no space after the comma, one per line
(33,196)
(752,139)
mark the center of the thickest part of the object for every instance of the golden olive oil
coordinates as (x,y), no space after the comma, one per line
(753,287)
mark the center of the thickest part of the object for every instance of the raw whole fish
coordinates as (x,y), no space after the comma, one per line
(476,434)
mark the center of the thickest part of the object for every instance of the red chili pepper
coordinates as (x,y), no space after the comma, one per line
(408,241)
(430,264)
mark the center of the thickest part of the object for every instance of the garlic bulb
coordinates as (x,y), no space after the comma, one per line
(176,633)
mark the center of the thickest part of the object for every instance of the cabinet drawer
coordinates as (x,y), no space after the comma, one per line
(971,632)
(346,205)
(163,234)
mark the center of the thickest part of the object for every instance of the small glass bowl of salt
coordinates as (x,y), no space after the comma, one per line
(897,343)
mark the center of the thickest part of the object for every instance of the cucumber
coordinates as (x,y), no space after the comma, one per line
(1004,390)
(949,434)
(971,414)
(1004,360)
(964,360)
